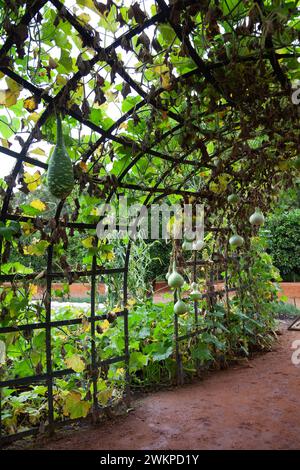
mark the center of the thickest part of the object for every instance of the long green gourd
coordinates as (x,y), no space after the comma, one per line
(60,176)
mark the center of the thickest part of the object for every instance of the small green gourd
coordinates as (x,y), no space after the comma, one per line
(175,280)
(233,198)
(195,293)
(236,241)
(60,175)
(257,218)
(180,307)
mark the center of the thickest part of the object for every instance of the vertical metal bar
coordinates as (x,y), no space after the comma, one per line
(179,372)
(48,325)
(196,310)
(211,290)
(226,286)
(48,340)
(195,280)
(93,344)
(126,328)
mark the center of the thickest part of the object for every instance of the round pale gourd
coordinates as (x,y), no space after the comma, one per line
(195,293)
(198,245)
(189,235)
(175,280)
(236,241)
(257,218)
(60,175)
(180,307)
(187,245)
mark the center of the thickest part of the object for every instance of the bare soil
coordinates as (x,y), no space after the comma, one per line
(255,405)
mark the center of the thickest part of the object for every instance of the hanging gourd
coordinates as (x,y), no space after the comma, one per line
(180,307)
(236,241)
(60,175)
(189,236)
(187,245)
(233,198)
(257,218)
(175,280)
(198,245)
(195,293)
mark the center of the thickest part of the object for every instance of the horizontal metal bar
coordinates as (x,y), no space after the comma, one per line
(55,324)
(32,161)
(55,374)
(32,276)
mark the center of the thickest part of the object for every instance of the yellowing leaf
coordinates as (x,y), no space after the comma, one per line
(27,228)
(60,80)
(33,289)
(89,4)
(84,18)
(166,81)
(74,406)
(110,256)
(32,180)
(37,204)
(8,98)
(37,249)
(88,242)
(104,325)
(13,86)
(38,150)
(31,104)
(33,117)
(104,395)
(75,362)
(5,143)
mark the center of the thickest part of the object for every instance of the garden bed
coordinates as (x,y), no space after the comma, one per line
(252,405)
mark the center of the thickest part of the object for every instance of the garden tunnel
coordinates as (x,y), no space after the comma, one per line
(204,92)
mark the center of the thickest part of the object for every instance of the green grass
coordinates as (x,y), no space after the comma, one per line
(284,309)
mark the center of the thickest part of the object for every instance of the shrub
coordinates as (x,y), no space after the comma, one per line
(283,233)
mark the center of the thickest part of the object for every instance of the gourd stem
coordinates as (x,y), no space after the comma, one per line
(59,136)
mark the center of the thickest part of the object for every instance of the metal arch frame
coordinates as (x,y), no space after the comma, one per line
(205,71)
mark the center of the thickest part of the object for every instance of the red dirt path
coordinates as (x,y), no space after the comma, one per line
(253,406)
